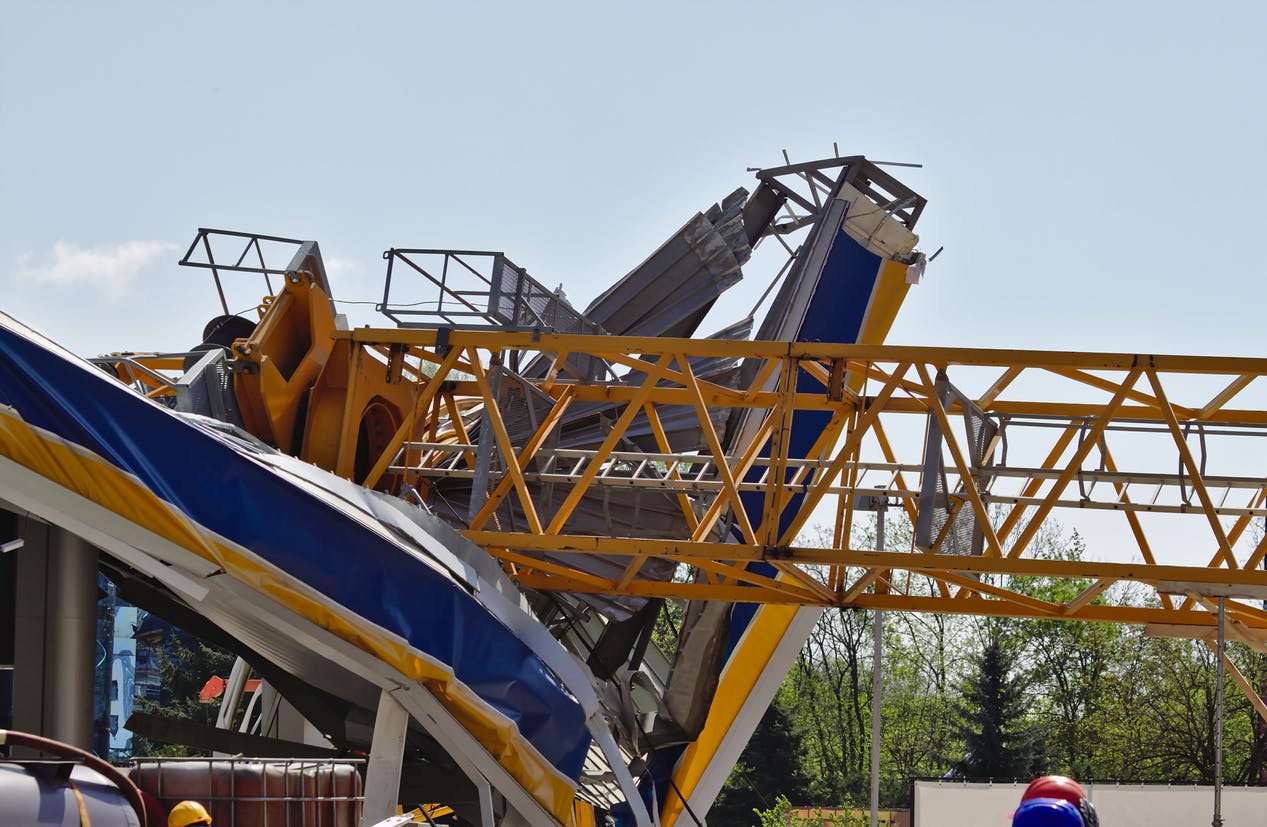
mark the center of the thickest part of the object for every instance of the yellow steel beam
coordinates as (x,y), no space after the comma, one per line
(1246,688)
(1093,435)
(1224,396)
(776,473)
(625,394)
(1132,519)
(985,357)
(459,427)
(521,461)
(507,448)
(731,490)
(686,550)
(780,494)
(613,438)
(1094,612)
(820,488)
(865,435)
(1194,471)
(717,506)
(1088,594)
(662,442)
(961,462)
(421,403)
(1110,386)
(1001,384)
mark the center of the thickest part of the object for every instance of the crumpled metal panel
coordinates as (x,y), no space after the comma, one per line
(582,424)
(670,293)
(603,511)
(667,295)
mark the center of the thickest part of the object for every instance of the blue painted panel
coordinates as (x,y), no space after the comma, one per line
(214,481)
(834,314)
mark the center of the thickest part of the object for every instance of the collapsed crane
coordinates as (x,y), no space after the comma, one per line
(491,501)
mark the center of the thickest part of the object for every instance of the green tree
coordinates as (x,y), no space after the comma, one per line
(1177,713)
(781,814)
(1253,666)
(918,716)
(769,769)
(1072,668)
(830,695)
(999,742)
(185,664)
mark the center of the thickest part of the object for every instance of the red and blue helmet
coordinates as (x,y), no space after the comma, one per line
(1065,789)
(1055,786)
(1047,812)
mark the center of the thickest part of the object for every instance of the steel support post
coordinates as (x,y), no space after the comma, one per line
(879,504)
(387,755)
(1218,722)
(232,697)
(486,802)
(55,635)
(484,448)
(877,684)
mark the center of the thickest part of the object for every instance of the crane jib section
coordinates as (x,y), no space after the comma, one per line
(1024,440)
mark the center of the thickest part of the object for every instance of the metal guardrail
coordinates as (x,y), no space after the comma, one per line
(476,288)
(230,251)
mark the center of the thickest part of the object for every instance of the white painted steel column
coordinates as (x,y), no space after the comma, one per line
(231,698)
(486,802)
(387,755)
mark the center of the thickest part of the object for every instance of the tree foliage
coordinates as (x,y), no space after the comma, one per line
(1089,700)
(769,770)
(999,741)
(185,663)
(782,814)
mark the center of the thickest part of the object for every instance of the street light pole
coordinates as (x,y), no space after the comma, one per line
(877,685)
(1218,723)
(1220,592)
(877,503)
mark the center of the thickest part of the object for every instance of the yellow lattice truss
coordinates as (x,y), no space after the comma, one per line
(1109,432)
(1017,438)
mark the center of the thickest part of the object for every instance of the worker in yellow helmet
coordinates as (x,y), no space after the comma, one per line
(187,813)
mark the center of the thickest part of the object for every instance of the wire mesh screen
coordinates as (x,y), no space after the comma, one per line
(518,300)
(206,388)
(947,523)
(473,288)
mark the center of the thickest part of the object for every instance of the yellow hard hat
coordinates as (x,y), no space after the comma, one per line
(186,813)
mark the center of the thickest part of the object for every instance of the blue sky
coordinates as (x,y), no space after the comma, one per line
(1094,170)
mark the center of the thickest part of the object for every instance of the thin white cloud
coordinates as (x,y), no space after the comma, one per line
(345,277)
(109,268)
(343,268)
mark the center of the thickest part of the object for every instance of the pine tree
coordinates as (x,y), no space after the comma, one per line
(185,664)
(1000,743)
(769,767)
